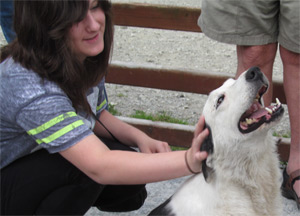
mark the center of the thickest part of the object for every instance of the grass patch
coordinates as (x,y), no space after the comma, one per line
(286,135)
(157,117)
(163,117)
(283,164)
(121,95)
(175,148)
(113,110)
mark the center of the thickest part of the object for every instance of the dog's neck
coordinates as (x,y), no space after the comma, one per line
(226,159)
(249,168)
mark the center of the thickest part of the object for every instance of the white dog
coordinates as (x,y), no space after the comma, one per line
(241,175)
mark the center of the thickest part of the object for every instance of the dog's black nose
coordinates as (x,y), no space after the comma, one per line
(254,74)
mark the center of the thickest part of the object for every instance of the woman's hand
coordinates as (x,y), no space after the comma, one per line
(154,146)
(194,156)
(129,135)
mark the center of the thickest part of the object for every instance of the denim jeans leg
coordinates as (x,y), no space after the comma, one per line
(6,19)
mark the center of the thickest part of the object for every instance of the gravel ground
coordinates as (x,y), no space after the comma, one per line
(171,49)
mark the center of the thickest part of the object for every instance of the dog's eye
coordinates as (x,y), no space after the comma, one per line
(220,100)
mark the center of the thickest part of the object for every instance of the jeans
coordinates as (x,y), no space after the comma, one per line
(47,184)
(6,19)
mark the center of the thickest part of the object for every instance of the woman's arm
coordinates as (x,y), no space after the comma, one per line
(93,158)
(128,134)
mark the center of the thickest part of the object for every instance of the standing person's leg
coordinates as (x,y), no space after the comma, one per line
(251,25)
(46,184)
(262,56)
(291,66)
(289,25)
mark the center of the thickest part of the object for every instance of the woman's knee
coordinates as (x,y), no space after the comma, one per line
(121,198)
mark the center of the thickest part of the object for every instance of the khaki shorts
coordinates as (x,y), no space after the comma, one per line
(252,22)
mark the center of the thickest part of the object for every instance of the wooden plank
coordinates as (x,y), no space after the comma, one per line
(156,16)
(172,79)
(278,92)
(284,149)
(174,134)
(182,135)
(167,79)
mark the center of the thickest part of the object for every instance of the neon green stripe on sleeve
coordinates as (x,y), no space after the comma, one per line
(50,123)
(60,132)
(101,105)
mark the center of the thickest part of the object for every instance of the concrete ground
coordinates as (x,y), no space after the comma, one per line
(161,191)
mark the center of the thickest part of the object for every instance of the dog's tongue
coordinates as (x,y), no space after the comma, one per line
(259,113)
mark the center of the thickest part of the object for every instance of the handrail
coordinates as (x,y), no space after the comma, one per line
(156,16)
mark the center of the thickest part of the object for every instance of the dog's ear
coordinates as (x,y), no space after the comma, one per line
(207,146)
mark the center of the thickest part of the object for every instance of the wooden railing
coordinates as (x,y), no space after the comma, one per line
(170,18)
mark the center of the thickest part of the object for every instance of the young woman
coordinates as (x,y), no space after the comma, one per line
(61,150)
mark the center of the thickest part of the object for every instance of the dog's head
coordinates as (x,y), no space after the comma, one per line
(235,112)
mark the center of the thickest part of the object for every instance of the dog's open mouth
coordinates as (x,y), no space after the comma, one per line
(257,114)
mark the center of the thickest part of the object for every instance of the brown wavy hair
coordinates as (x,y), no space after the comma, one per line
(41,45)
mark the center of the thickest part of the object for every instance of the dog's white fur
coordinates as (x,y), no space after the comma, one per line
(246,177)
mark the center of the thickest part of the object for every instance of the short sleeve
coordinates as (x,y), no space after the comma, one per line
(102,103)
(52,122)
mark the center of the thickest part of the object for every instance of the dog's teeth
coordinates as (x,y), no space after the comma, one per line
(278,102)
(262,102)
(269,110)
(249,121)
(244,123)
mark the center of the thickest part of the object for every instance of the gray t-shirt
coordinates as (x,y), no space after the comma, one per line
(36,113)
